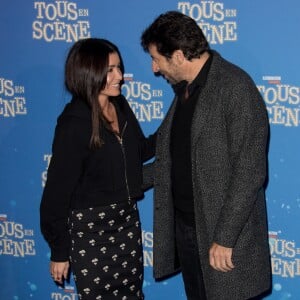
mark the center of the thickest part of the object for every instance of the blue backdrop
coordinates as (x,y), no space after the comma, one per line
(260,36)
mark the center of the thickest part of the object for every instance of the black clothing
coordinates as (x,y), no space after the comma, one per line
(186,242)
(80,177)
(181,139)
(109,264)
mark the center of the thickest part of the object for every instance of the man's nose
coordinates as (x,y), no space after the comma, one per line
(155,67)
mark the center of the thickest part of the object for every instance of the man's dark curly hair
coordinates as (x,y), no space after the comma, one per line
(175,31)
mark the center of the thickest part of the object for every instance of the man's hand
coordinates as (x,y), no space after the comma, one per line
(59,271)
(220,258)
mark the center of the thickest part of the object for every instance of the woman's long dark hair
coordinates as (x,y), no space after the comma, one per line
(85,76)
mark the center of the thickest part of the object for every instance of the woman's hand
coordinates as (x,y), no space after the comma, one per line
(59,271)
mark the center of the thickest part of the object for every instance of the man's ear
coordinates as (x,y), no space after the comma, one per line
(178,57)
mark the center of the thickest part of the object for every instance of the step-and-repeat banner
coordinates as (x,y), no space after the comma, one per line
(260,36)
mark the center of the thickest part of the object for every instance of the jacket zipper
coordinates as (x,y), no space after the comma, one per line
(120,140)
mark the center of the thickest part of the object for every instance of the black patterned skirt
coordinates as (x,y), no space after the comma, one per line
(106,253)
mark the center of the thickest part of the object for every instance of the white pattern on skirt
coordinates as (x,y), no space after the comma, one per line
(106,252)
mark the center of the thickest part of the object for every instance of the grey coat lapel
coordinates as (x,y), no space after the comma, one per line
(165,128)
(202,110)
(204,103)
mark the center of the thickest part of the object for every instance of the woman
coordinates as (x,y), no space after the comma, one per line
(88,209)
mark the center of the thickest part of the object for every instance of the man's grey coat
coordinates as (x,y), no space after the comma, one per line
(228,150)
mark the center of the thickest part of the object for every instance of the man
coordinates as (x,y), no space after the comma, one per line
(210,168)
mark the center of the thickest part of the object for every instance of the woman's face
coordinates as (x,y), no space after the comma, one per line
(114,77)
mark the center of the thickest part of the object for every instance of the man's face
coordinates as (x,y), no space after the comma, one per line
(167,67)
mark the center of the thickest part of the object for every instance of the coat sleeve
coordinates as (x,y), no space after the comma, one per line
(147,144)
(247,135)
(63,174)
(148,176)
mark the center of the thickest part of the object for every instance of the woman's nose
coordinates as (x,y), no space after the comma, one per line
(119,74)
